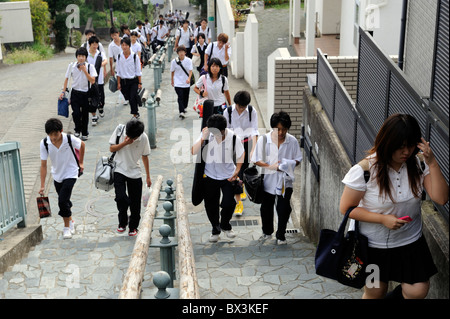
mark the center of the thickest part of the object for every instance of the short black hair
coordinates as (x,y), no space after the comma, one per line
(124,27)
(93,39)
(134,33)
(81,51)
(126,40)
(134,128)
(280,118)
(53,125)
(139,22)
(217,121)
(87,31)
(181,48)
(242,98)
(201,35)
(113,30)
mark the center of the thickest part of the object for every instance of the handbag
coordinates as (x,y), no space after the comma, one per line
(254,181)
(196,59)
(343,258)
(104,170)
(43,204)
(198,106)
(112,84)
(63,107)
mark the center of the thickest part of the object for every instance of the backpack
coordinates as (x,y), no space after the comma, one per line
(69,140)
(250,110)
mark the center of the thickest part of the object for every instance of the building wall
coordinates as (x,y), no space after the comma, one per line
(16,24)
(419,48)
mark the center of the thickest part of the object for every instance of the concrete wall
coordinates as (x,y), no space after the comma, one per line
(225,18)
(285,89)
(251,51)
(16,24)
(238,55)
(317,204)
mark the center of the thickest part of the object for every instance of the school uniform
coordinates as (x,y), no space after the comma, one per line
(160,34)
(64,170)
(129,69)
(206,32)
(215,91)
(128,178)
(220,54)
(179,78)
(219,166)
(184,39)
(79,96)
(142,35)
(114,50)
(277,185)
(197,48)
(92,59)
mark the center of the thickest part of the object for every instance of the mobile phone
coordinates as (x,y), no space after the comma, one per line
(406,218)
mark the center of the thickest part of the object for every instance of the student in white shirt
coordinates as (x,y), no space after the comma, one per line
(242,118)
(281,148)
(199,49)
(114,49)
(184,36)
(133,146)
(161,32)
(220,155)
(81,73)
(141,30)
(203,28)
(220,49)
(129,75)
(97,59)
(181,72)
(393,191)
(90,33)
(135,44)
(65,169)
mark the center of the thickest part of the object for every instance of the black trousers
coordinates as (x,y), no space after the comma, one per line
(220,220)
(80,111)
(101,90)
(247,148)
(284,209)
(64,191)
(132,200)
(183,98)
(129,89)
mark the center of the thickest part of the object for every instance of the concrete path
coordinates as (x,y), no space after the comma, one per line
(92,264)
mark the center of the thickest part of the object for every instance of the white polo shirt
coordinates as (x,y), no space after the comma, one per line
(214,89)
(206,32)
(404,204)
(127,158)
(290,150)
(128,68)
(160,32)
(241,124)
(136,47)
(184,36)
(64,165)
(79,79)
(92,59)
(218,53)
(218,157)
(179,76)
(114,50)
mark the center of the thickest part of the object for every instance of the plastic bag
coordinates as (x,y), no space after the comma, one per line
(146,196)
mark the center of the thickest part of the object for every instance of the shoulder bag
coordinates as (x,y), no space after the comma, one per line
(254,181)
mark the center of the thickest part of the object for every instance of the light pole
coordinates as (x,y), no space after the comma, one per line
(111,13)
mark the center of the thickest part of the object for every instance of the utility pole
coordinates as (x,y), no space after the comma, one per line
(211,11)
(111,13)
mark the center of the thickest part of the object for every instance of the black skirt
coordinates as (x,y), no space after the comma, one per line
(409,264)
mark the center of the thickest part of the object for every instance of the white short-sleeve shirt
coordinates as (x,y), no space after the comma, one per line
(127,158)
(79,79)
(128,68)
(179,76)
(241,124)
(404,204)
(114,50)
(64,164)
(218,53)
(184,36)
(214,89)
(92,59)
(290,150)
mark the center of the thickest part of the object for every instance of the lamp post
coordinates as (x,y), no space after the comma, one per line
(111,13)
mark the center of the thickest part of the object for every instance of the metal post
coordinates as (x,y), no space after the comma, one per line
(151,121)
(161,280)
(167,252)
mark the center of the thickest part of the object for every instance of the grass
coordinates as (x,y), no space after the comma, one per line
(28,54)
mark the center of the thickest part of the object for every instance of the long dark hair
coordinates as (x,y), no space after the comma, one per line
(398,130)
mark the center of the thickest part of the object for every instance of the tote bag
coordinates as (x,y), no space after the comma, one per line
(63,107)
(43,206)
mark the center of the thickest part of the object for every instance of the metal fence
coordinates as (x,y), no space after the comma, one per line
(382,91)
(12,197)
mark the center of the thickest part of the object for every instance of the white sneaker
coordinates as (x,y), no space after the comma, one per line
(72,227)
(265,237)
(94,120)
(66,233)
(214,238)
(182,116)
(125,103)
(281,242)
(230,233)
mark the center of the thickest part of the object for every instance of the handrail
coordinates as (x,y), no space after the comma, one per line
(188,283)
(131,288)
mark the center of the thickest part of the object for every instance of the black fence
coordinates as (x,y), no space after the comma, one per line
(382,91)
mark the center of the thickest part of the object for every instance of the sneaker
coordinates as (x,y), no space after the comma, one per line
(182,116)
(230,233)
(121,229)
(101,112)
(243,196)
(76,134)
(281,242)
(72,227)
(84,138)
(214,238)
(265,237)
(125,103)
(66,233)
(133,232)
(239,208)
(94,120)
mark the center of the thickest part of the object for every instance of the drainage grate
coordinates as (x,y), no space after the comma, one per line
(292,231)
(244,222)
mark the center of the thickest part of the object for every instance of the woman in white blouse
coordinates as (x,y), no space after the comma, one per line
(393,192)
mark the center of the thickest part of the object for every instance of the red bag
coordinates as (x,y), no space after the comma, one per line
(43,207)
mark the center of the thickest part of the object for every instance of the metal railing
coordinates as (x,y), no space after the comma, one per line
(12,196)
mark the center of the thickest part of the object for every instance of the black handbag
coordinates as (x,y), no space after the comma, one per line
(254,181)
(343,258)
